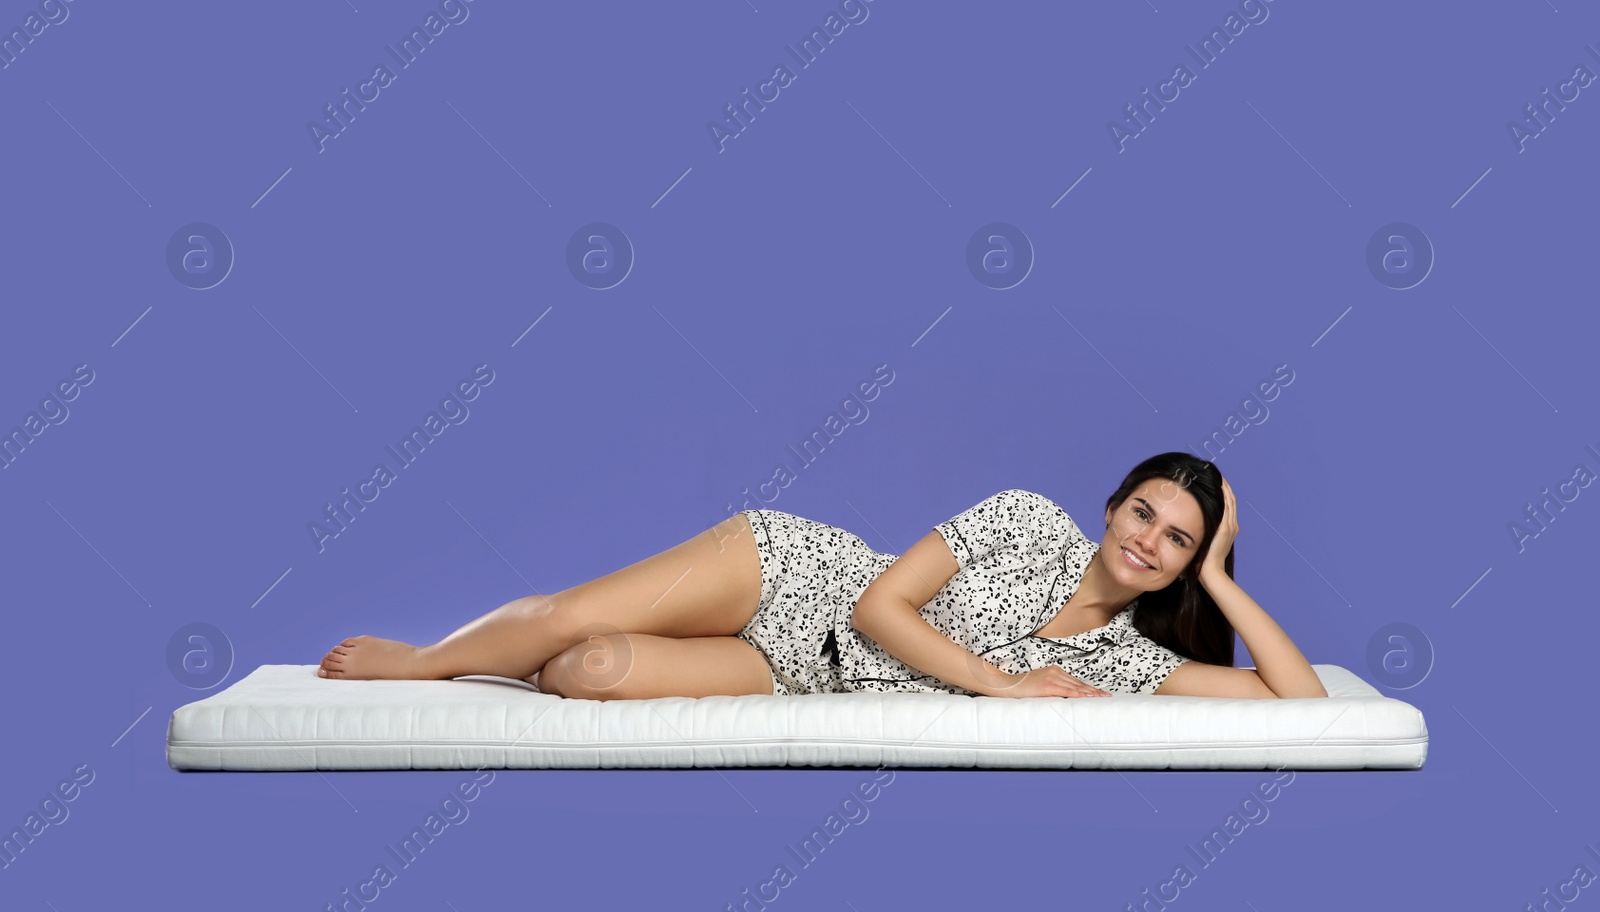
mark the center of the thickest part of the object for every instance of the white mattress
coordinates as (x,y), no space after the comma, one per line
(284,717)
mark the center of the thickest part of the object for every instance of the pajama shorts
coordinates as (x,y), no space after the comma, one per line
(811,577)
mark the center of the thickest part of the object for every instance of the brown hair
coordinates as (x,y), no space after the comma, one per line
(1183,617)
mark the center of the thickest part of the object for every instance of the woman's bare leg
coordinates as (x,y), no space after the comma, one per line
(709,585)
(635,666)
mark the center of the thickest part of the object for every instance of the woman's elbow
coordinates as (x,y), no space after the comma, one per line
(870,609)
(1310,691)
(857,616)
(862,616)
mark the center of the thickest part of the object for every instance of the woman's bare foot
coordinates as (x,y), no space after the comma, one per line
(366,658)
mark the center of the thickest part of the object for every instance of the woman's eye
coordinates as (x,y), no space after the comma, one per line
(1176,538)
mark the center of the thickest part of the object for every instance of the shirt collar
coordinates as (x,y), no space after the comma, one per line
(1080,549)
(1111,633)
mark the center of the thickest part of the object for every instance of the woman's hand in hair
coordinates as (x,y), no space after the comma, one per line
(1222,542)
(1049,681)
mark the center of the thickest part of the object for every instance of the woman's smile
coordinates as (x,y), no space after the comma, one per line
(1134,561)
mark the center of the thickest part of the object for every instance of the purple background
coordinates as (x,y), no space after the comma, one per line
(769,280)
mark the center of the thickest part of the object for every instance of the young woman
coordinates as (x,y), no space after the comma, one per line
(1008,598)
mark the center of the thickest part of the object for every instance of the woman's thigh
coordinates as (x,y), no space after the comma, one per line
(707,586)
(634,666)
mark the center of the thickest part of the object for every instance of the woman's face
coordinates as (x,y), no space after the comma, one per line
(1160,524)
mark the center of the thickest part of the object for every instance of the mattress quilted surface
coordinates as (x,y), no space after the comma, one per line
(285,717)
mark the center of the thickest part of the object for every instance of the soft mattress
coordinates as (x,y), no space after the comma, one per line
(285,717)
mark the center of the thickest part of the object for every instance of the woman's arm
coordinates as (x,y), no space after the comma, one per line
(887,613)
(1281,671)
(906,635)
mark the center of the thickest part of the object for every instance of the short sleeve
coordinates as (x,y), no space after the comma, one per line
(1137,665)
(1012,522)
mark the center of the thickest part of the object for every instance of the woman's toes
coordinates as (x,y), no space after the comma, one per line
(367,657)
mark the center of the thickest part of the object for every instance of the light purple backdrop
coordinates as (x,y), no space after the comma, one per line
(260,298)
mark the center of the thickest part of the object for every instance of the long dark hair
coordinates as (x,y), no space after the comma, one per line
(1183,617)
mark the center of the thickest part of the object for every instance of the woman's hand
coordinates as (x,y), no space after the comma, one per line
(1222,542)
(1049,681)
(1279,664)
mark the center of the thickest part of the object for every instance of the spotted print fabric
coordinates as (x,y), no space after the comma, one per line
(1115,657)
(811,576)
(1020,557)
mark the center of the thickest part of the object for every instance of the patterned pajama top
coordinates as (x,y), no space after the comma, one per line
(1020,557)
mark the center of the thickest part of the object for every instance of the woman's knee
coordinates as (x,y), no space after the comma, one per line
(595,668)
(564,618)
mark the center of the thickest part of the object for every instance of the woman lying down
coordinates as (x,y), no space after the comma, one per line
(1006,599)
